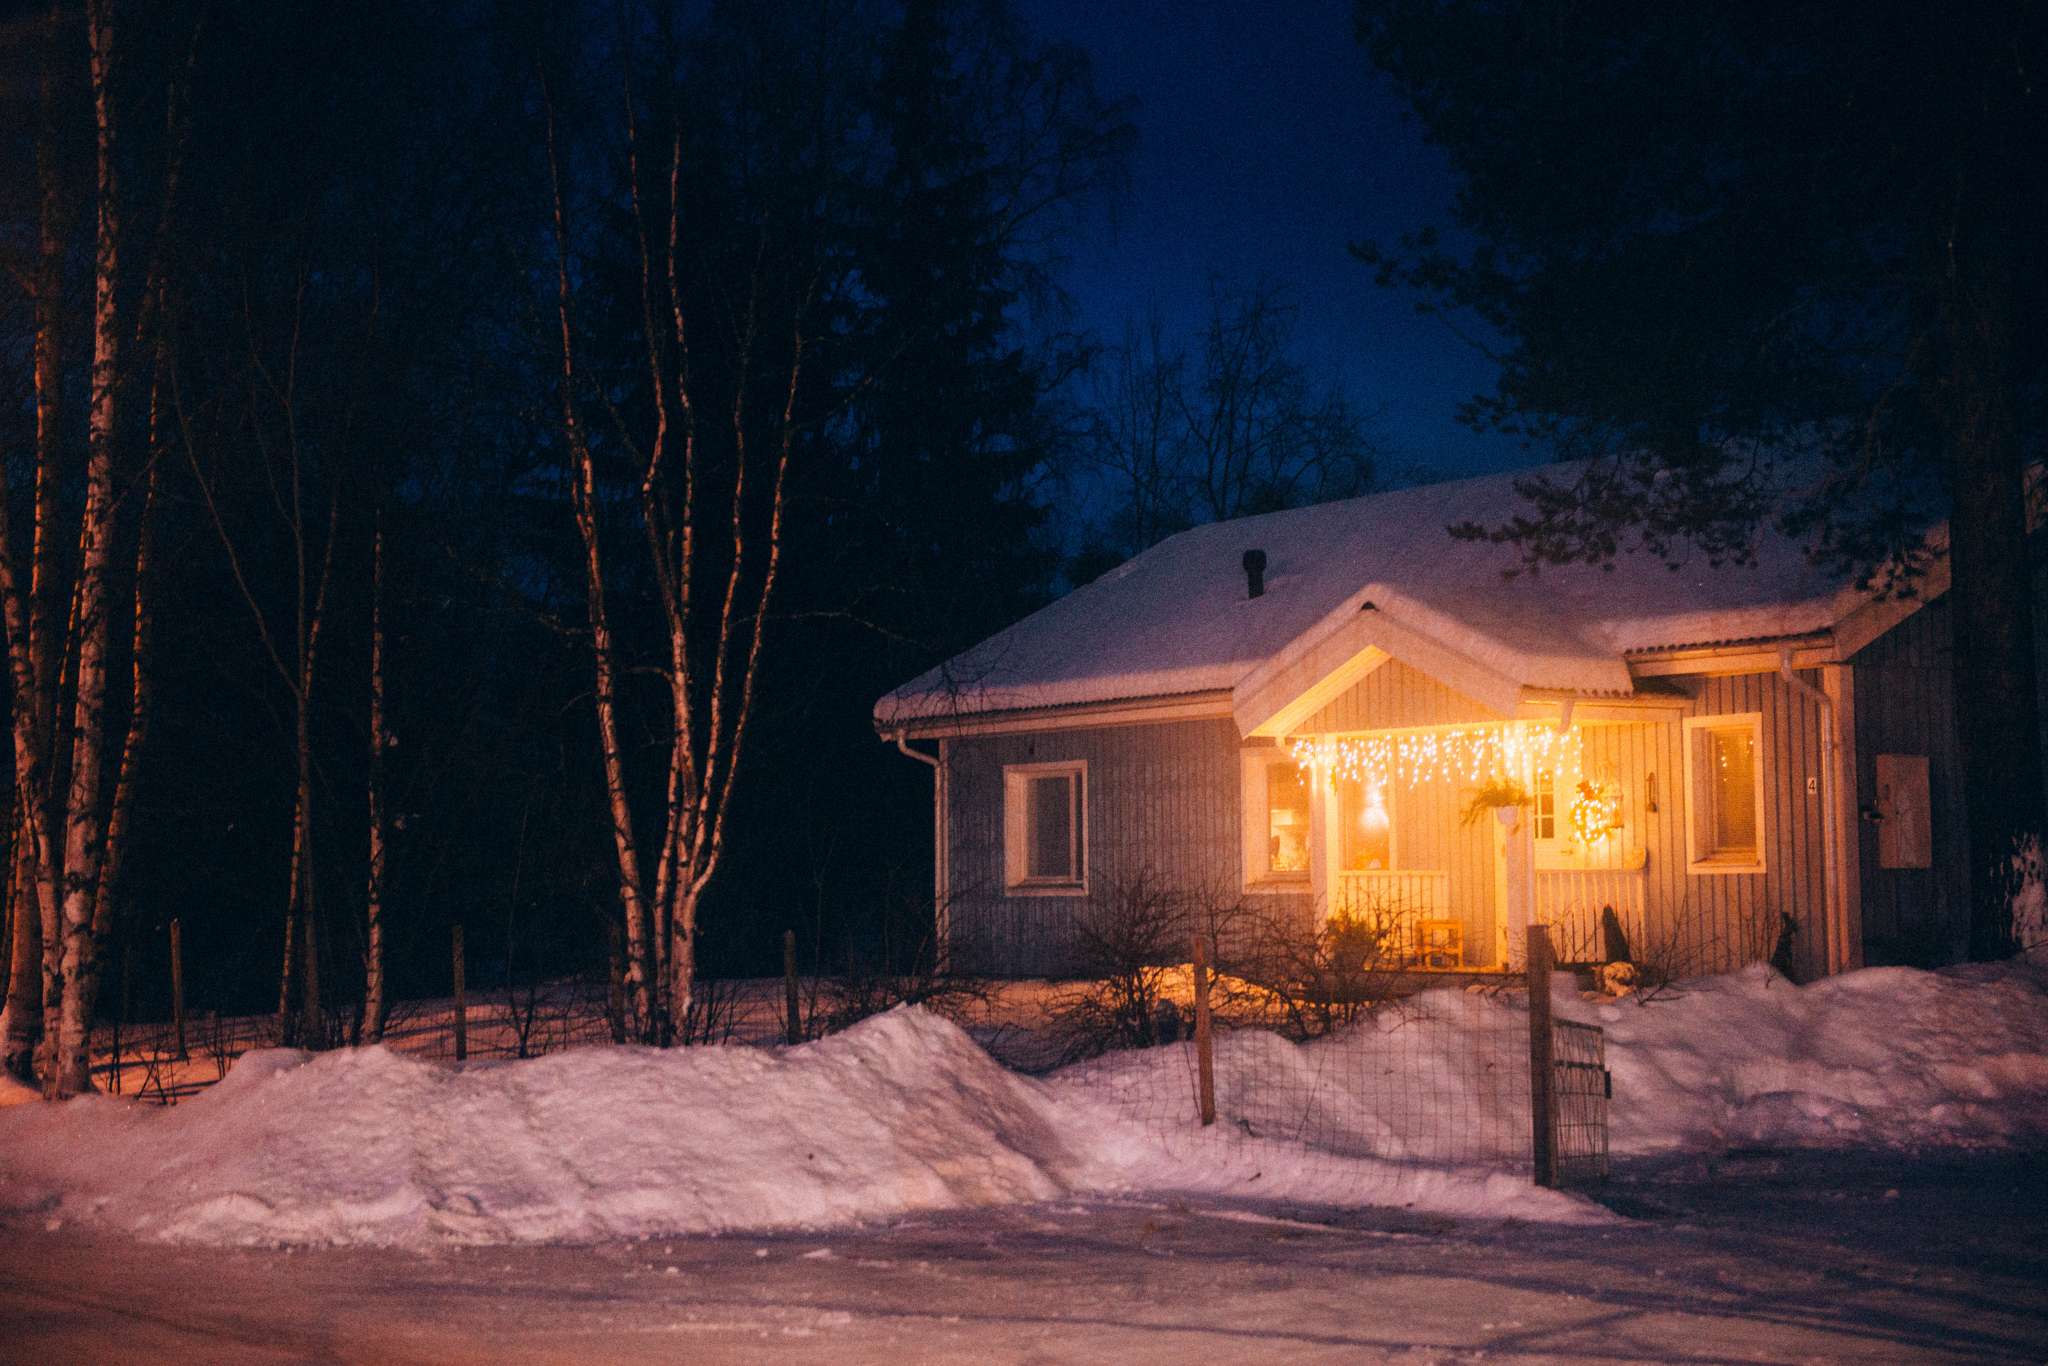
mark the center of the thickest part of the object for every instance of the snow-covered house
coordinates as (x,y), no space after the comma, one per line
(1298,711)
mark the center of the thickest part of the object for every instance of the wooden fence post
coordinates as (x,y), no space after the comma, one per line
(1205,1065)
(615,1004)
(1542,1068)
(792,1023)
(461,1004)
(178,989)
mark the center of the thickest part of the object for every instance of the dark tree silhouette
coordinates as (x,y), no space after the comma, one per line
(1764,264)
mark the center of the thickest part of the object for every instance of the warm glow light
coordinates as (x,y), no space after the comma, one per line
(1471,754)
(1597,812)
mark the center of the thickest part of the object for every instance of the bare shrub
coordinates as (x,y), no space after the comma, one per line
(218,1042)
(1687,945)
(1127,948)
(523,1016)
(713,1011)
(872,986)
(867,990)
(1311,975)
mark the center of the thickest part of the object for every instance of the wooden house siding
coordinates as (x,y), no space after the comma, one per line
(1717,922)
(1395,695)
(1905,704)
(1692,922)
(1162,803)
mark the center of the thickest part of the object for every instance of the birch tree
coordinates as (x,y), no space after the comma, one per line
(59,624)
(736,250)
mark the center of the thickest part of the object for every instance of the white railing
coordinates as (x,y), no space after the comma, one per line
(1399,899)
(1569,901)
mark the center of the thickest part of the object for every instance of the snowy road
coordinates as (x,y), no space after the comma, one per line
(1771,1258)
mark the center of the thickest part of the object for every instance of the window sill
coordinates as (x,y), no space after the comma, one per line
(1740,863)
(1278,883)
(1046,889)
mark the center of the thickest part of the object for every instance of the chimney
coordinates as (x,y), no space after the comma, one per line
(1255,573)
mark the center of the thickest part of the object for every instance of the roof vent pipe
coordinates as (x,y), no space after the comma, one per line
(1255,573)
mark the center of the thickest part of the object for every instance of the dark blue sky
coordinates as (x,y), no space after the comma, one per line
(1265,145)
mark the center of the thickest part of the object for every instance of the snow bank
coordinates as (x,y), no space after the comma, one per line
(905,1113)
(1886,1057)
(370,1146)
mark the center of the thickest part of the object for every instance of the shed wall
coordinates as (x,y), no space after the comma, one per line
(1905,704)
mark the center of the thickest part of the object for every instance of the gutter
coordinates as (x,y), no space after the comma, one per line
(1831,836)
(941,928)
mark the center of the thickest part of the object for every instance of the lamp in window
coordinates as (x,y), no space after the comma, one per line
(1286,818)
(1375,831)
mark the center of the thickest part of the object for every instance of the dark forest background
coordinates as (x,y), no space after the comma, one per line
(339,272)
(354,242)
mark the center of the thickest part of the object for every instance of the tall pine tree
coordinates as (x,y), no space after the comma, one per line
(1765,263)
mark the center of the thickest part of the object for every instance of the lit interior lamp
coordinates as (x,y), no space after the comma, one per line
(1288,848)
(1372,823)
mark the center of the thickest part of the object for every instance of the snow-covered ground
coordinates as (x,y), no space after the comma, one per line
(904,1113)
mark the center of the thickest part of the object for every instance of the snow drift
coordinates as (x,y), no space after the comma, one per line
(1885,1057)
(904,1113)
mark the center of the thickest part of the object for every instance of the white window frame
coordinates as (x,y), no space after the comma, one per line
(1017,879)
(1699,801)
(1257,813)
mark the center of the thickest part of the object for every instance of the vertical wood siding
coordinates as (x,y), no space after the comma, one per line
(1429,835)
(1717,922)
(1905,705)
(1395,695)
(1162,802)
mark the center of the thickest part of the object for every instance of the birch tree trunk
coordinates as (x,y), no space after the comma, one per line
(711,523)
(33,625)
(84,821)
(373,894)
(141,710)
(583,494)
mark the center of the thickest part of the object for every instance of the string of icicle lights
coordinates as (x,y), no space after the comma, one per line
(1460,754)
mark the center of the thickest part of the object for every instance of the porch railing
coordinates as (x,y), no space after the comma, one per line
(1405,900)
(1569,901)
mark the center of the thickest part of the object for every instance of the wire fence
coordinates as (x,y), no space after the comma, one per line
(1437,1080)
(1440,1079)
(1582,1089)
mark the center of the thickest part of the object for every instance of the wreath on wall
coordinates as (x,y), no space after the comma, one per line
(1596,810)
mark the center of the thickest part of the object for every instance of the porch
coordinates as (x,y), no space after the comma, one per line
(1425,927)
(1454,837)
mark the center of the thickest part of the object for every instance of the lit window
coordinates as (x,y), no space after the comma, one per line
(1044,827)
(1278,811)
(1286,818)
(1724,785)
(1546,806)
(1367,825)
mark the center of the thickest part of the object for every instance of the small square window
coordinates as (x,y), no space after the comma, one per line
(1045,828)
(1724,784)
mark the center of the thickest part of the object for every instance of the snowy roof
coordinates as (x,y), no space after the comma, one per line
(1177,619)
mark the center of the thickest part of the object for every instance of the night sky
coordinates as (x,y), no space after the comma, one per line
(1266,144)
